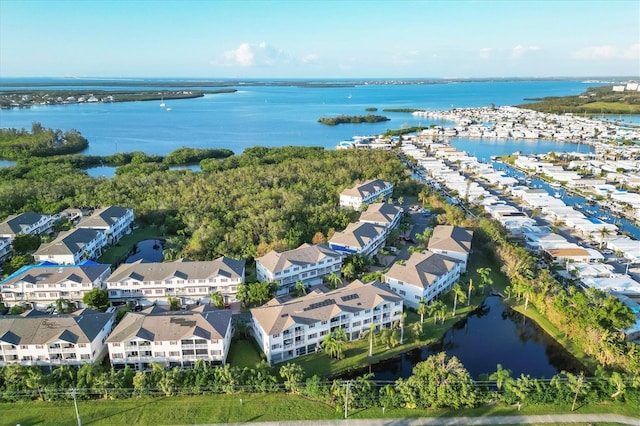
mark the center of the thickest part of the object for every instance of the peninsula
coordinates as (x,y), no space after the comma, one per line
(354,119)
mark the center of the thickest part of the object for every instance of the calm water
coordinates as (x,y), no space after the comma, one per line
(270,115)
(493,335)
(147,250)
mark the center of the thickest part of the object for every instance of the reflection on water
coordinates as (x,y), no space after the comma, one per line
(492,335)
(147,250)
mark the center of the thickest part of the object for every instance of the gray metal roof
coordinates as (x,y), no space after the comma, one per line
(223,266)
(69,242)
(15,224)
(306,254)
(451,238)
(421,269)
(41,330)
(104,218)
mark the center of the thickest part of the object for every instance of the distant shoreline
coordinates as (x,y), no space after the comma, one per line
(310,82)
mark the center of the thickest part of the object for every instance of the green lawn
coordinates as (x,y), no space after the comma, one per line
(244,353)
(253,408)
(116,253)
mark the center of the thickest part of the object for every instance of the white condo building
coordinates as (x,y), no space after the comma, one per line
(451,241)
(423,275)
(191,282)
(52,340)
(365,193)
(114,221)
(295,327)
(25,223)
(72,247)
(359,238)
(308,264)
(39,286)
(171,338)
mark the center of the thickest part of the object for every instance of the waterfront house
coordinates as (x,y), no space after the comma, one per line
(308,264)
(25,223)
(191,282)
(72,247)
(365,193)
(171,338)
(286,329)
(451,241)
(630,249)
(114,221)
(424,275)
(382,214)
(53,340)
(569,252)
(359,238)
(39,286)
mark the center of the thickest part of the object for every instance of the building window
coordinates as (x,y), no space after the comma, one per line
(403,293)
(312,336)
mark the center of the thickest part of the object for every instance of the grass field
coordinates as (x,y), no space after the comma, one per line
(244,353)
(244,408)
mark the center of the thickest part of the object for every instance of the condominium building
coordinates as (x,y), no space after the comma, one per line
(423,275)
(25,223)
(114,221)
(72,247)
(286,329)
(39,286)
(308,264)
(359,238)
(51,340)
(365,193)
(191,282)
(451,241)
(170,338)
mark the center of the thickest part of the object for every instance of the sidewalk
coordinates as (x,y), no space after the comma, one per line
(491,420)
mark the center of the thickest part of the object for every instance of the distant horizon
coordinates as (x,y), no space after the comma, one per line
(240,79)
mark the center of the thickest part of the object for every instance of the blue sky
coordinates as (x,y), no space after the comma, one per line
(319,39)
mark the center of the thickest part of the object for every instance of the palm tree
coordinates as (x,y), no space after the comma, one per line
(470,288)
(422,309)
(333,343)
(371,332)
(417,330)
(485,278)
(441,310)
(217,299)
(300,289)
(458,293)
(604,232)
(501,376)
(402,318)
(334,280)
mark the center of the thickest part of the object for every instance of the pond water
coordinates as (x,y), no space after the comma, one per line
(492,335)
(147,250)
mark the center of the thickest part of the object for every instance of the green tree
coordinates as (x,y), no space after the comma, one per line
(422,309)
(217,299)
(292,374)
(300,289)
(485,278)
(97,299)
(25,243)
(334,280)
(501,376)
(333,343)
(458,294)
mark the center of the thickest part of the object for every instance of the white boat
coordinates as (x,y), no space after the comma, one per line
(162,105)
(555,185)
(168,109)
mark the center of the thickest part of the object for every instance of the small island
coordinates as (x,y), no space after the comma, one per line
(27,98)
(353,119)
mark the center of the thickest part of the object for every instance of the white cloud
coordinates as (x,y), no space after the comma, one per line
(631,52)
(262,55)
(520,50)
(485,52)
(405,58)
(242,56)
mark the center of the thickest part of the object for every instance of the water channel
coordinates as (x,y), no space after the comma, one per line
(492,334)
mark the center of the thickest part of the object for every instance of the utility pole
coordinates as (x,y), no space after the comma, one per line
(578,386)
(346,400)
(75,404)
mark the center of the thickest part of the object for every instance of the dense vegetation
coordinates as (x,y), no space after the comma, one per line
(596,100)
(437,382)
(40,142)
(241,206)
(353,119)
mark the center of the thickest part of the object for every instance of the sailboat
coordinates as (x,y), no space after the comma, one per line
(162,102)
